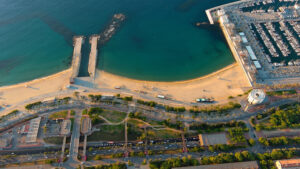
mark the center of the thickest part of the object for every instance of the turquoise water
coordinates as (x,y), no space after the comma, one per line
(158,41)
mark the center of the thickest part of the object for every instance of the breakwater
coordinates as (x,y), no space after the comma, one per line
(78,41)
(110,30)
(93,55)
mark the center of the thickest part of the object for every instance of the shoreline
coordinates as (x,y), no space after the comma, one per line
(98,70)
(228,81)
(36,80)
(172,82)
(14,95)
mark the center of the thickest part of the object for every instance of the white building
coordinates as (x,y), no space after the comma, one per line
(33,130)
(256,96)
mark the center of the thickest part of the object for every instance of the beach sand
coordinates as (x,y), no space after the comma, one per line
(14,94)
(229,81)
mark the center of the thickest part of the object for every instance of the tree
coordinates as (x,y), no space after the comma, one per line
(229,158)
(239,156)
(264,141)
(211,148)
(276,154)
(260,156)
(263,164)
(130,163)
(247,155)
(98,157)
(251,142)
(141,154)
(144,162)
(44,129)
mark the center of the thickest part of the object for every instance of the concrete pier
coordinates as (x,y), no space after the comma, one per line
(93,55)
(78,41)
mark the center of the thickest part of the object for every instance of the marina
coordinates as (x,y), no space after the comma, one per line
(264,38)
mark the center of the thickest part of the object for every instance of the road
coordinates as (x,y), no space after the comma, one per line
(84,148)
(69,92)
(74,145)
(63,149)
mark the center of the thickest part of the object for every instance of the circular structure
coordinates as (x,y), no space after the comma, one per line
(297,6)
(256,96)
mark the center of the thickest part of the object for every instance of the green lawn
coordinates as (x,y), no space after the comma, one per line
(54,140)
(113,116)
(136,122)
(117,132)
(108,133)
(152,134)
(162,134)
(59,115)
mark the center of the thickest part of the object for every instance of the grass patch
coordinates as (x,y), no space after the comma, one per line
(136,123)
(217,109)
(151,133)
(59,115)
(72,113)
(113,116)
(72,123)
(54,140)
(9,115)
(108,133)
(162,134)
(281,92)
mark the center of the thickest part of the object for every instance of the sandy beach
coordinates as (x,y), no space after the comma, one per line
(229,81)
(14,94)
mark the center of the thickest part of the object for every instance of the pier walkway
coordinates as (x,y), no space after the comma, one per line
(78,41)
(93,55)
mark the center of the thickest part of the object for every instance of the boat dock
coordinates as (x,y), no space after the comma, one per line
(93,55)
(78,41)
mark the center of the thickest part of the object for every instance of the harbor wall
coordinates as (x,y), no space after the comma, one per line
(235,53)
(208,14)
(213,18)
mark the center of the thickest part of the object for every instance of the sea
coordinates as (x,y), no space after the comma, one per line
(158,41)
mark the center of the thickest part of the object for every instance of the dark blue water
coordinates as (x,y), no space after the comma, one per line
(158,40)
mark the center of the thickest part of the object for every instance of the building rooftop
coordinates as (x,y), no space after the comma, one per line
(66,127)
(86,125)
(212,139)
(33,130)
(239,165)
(288,163)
